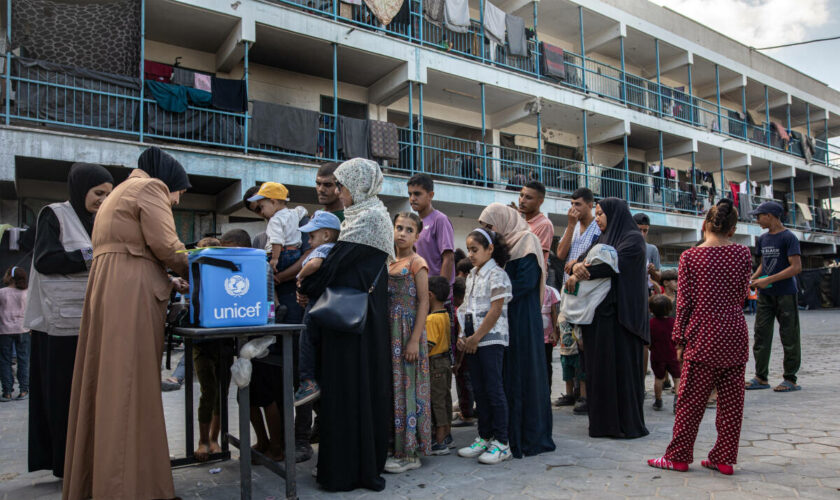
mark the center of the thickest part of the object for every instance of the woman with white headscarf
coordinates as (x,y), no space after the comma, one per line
(526,378)
(355,370)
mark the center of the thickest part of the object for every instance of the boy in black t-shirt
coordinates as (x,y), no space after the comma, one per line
(777,292)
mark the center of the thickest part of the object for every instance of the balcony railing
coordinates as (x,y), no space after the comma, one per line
(584,73)
(55,96)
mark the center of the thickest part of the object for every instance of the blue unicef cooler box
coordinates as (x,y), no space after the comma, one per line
(228,287)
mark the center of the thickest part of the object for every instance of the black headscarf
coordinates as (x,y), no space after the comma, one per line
(83,177)
(623,234)
(161,166)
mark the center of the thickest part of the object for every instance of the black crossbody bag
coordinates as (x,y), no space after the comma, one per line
(343,308)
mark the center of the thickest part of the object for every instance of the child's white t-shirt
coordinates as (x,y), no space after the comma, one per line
(283,229)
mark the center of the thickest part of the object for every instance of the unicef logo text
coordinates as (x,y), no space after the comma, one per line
(237,285)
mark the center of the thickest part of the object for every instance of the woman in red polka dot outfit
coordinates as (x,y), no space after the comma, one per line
(712,340)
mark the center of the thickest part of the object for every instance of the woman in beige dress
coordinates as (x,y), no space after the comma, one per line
(116,437)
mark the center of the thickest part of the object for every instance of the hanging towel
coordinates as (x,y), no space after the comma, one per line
(384,140)
(404,15)
(202,82)
(229,95)
(456,15)
(781,131)
(156,71)
(385,10)
(552,62)
(353,137)
(185,77)
(803,209)
(286,127)
(517,42)
(734,188)
(494,23)
(352,2)
(434,11)
(767,192)
(176,98)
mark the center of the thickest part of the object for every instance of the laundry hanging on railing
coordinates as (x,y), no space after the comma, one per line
(552,62)
(176,98)
(353,137)
(767,192)
(494,23)
(385,10)
(285,127)
(517,40)
(229,95)
(185,77)
(203,82)
(384,140)
(456,15)
(156,71)
(781,131)
(433,9)
(802,209)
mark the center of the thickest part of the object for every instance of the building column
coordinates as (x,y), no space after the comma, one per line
(421,129)
(585,149)
(658,79)
(483,133)
(496,152)
(247,116)
(536,40)
(767,116)
(717,95)
(691,111)
(582,55)
(623,71)
(334,141)
(662,168)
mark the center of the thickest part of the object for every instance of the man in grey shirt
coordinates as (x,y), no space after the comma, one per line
(643,221)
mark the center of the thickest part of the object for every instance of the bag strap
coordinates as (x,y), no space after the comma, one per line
(376,280)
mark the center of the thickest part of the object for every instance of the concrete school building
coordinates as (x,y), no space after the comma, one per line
(622,96)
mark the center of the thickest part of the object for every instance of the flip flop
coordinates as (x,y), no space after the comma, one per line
(756,384)
(787,386)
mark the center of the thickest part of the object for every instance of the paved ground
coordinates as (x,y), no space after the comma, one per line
(790,447)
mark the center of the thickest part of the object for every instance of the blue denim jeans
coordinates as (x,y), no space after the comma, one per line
(21,343)
(489,391)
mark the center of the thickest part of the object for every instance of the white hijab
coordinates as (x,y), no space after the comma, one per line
(366,221)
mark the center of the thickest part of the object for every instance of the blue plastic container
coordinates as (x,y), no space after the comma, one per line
(228,287)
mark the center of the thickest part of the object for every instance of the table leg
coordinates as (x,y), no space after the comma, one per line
(223,402)
(288,416)
(188,396)
(244,438)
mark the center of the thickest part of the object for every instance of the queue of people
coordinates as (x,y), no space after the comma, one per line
(490,320)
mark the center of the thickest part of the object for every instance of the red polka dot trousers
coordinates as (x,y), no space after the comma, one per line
(696,385)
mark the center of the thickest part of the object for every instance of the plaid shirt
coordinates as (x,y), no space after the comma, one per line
(582,242)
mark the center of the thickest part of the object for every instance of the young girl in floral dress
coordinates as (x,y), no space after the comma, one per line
(408,294)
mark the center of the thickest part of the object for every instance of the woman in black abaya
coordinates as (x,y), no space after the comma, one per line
(615,340)
(355,370)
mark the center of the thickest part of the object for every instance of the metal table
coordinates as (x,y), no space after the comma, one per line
(246,454)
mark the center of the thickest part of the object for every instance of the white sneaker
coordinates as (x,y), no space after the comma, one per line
(400,465)
(478,447)
(496,453)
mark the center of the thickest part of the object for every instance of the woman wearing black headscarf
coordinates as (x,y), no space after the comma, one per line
(59,273)
(116,436)
(615,340)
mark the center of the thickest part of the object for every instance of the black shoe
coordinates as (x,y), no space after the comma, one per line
(566,400)
(581,408)
(303,452)
(315,437)
(657,405)
(667,383)
(167,386)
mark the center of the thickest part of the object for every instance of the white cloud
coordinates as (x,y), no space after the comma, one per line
(757,23)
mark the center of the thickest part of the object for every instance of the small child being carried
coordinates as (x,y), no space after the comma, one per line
(284,235)
(323,229)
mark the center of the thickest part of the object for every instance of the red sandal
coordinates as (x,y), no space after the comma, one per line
(725,469)
(664,463)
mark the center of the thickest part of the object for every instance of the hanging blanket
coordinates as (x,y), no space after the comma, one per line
(286,127)
(185,77)
(434,11)
(494,23)
(579,308)
(229,95)
(353,137)
(552,62)
(456,15)
(384,10)
(384,140)
(517,41)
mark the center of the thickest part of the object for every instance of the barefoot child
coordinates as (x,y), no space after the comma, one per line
(408,294)
(484,336)
(663,353)
(440,365)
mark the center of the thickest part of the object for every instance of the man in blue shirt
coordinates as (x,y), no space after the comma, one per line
(777,297)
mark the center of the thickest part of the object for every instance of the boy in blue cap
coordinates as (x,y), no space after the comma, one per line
(776,284)
(323,231)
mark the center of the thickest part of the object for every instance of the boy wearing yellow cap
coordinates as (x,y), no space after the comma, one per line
(284,237)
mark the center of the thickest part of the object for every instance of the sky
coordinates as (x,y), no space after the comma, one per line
(764,23)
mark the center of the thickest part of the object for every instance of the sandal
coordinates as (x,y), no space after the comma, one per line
(725,469)
(755,383)
(664,463)
(5,397)
(23,395)
(787,386)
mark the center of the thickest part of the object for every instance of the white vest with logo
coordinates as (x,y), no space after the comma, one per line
(55,301)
